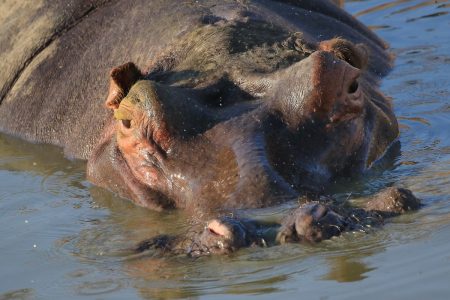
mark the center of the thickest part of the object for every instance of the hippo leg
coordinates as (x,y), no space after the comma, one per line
(314,222)
(311,222)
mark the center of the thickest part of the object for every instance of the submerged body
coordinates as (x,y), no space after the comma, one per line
(243,104)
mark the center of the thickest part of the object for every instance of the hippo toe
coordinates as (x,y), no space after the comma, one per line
(311,222)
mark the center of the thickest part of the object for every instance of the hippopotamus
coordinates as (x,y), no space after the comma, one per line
(212,106)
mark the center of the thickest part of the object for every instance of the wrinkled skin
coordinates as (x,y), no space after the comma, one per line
(242,104)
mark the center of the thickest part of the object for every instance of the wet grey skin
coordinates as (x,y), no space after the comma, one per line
(223,105)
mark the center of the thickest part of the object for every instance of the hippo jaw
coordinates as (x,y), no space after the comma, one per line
(108,168)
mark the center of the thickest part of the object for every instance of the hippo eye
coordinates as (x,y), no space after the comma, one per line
(353,87)
(126,123)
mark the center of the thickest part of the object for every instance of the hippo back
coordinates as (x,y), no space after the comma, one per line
(55,55)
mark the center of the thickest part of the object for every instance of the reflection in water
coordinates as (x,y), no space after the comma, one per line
(416,119)
(158,278)
(22,294)
(398,3)
(98,288)
(421,4)
(83,234)
(437,14)
(346,269)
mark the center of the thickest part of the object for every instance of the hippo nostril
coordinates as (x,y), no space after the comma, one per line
(353,87)
(126,123)
(212,231)
(217,228)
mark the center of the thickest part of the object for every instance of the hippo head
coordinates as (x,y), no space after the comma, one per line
(217,133)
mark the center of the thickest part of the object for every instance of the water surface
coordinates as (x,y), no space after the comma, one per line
(62,238)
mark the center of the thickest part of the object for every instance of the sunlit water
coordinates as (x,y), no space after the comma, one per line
(62,238)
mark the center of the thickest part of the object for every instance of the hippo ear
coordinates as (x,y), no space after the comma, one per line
(356,55)
(122,79)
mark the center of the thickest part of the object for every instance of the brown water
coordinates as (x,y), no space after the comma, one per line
(62,238)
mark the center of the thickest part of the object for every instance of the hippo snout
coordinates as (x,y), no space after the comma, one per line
(320,88)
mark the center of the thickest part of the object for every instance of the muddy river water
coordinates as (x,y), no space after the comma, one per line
(62,238)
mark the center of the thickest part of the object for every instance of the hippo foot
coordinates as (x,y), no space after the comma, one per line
(223,235)
(393,201)
(311,222)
